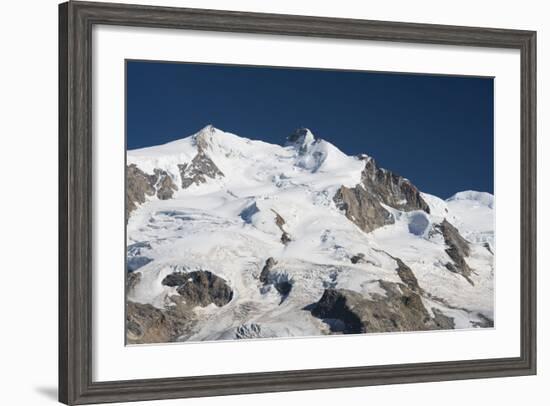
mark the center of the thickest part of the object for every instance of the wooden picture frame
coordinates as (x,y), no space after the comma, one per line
(76,20)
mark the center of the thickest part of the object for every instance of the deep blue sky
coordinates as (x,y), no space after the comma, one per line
(435,130)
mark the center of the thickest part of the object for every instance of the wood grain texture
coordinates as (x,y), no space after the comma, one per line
(63,341)
(75,202)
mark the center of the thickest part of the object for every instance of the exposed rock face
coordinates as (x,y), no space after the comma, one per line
(147,324)
(392,189)
(164,184)
(198,170)
(201,166)
(407,276)
(453,238)
(132,279)
(139,185)
(458,249)
(358,259)
(280,222)
(349,312)
(338,305)
(204,138)
(285,238)
(200,288)
(362,204)
(175,279)
(280,282)
(361,208)
(443,322)
(269,264)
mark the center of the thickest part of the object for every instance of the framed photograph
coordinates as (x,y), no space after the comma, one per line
(258,202)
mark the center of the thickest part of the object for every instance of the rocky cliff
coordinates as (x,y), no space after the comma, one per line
(364,203)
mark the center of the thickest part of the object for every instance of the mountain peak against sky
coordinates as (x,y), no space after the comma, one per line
(207,129)
(204,136)
(284,226)
(238,155)
(301,136)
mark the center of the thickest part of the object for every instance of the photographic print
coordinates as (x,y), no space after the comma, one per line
(271,202)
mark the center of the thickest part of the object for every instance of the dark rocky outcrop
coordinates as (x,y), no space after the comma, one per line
(164,184)
(200,288)
(264,275)
(198,170)
(363,204)
(281,283)
(391,189)
(280,222)
(339,304)
(457,249)
(407,276)
(132,279)
(405,273)
(453,238)
(349,312)
(285,238)
(358,259)
(443,322)
(362,208)
(139,185)
(201,166)
(175,279)
(147,324)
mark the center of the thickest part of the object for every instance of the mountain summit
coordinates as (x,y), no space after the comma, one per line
(301,138)
(229,237)
(206,136)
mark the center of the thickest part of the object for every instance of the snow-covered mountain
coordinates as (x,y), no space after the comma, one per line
(232,238)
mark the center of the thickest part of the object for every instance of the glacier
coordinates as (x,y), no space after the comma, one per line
(234,238)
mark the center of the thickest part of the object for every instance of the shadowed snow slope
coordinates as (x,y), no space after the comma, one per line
(270,201)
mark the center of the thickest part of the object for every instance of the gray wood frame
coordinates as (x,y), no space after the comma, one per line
(76,20)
